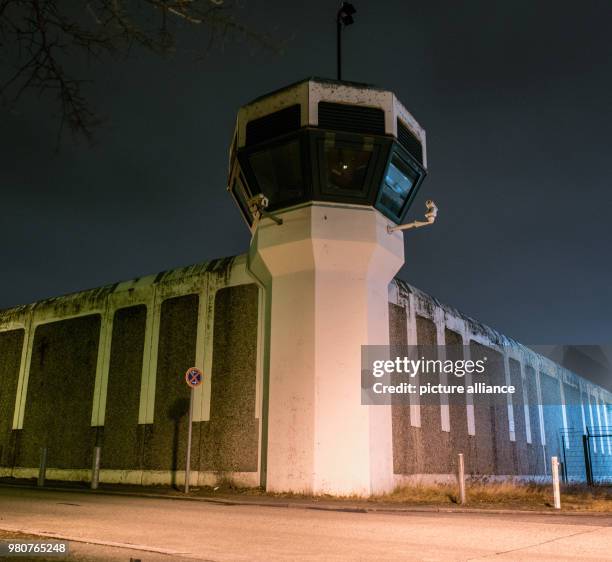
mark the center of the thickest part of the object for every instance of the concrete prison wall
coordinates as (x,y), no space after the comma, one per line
(106,367)
(500,437)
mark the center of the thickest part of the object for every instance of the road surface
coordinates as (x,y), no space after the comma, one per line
(106,527)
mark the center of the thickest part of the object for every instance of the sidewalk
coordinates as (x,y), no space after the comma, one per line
(261,499)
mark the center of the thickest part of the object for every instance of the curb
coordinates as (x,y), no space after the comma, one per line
(386,509)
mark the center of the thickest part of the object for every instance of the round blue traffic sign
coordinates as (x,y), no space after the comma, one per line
(193,377)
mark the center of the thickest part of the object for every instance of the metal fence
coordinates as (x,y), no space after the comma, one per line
(586,457)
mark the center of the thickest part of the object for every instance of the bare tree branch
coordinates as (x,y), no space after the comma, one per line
(37,35)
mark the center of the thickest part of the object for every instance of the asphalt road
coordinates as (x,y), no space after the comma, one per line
(104,527)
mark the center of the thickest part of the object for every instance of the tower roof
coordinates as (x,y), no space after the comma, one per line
(307,94)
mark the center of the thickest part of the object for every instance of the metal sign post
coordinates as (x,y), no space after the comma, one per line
(193,378)
(344,17)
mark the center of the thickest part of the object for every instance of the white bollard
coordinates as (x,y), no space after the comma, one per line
(555,481)
(95,468)
(461,479)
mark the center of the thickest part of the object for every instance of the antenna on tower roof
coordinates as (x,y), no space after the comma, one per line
(343,18)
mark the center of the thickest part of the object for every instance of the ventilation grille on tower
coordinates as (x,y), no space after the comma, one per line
(407,139)
(351,118)
(273,125)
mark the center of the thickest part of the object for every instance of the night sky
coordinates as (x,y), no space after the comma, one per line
(516,100)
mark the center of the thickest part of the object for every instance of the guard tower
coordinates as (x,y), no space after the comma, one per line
(320,171)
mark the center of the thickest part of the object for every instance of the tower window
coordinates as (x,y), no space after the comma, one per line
(346,168)
(278,171)
(397,186)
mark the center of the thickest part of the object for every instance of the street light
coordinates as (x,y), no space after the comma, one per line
(343,18)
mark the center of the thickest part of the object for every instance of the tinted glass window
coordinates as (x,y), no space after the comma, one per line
(346,168)
(397,185)
(278,171)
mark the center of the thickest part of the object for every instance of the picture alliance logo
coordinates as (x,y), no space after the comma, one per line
(414,367)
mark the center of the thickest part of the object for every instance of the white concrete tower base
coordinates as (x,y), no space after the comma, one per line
(330,268)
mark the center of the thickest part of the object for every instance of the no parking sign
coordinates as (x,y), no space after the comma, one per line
(193,377)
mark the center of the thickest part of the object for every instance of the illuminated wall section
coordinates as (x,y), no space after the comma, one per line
(460,441)
(60,392)
(229,440)
(123,436)
(11,343)
(164,438)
